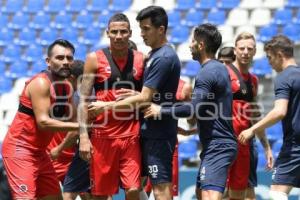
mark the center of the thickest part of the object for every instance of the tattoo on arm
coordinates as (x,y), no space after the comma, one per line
(85,93)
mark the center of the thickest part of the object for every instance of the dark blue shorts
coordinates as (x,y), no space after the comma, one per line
(252,182)
(157,158)
(77,178)
(287,167)
(215,162)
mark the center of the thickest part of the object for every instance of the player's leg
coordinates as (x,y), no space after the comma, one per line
(239,173)
(77,180)
(157,159)
(48,187)
(130,167)
(250,194)
(104,168)
(215,162)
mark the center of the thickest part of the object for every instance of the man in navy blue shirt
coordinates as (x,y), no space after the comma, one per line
(161,77)
(212,106)
(286,174)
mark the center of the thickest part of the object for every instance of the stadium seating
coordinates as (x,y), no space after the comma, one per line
(29,26)
(33,6)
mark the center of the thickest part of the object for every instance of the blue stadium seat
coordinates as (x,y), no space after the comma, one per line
(297,18)
(179,34)
(103,19)
(33,53)
(291,31)
(26,37)
(81,52)
(76,6)
(193,18)
(6,37)
(37,67)
(33,6)
(47,36)
(261,67)
(3,20)
(185,4)
(62,20)
(274,132)
(120,5)
(216,17)
(40,21)
(12,6)
(282,16)
(293,4)
(11,53)
(18,69)
(174,18)
(267,32)
(206,4)
(187,149)
(228,4)
(19,21)
(261,161)
(70,34)
(2,68)
(98,6)
(83,21)
(55,6)
(97,46)
(91,36)
(6,84)
(191,69)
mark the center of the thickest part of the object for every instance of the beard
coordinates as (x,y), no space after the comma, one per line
(62,73)
(195,55)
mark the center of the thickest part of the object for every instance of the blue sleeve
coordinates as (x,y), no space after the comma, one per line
(160,68)
(202,93)
(282,87)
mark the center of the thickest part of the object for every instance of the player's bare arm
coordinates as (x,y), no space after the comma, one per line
(276,114)
(90,68)
(41,106)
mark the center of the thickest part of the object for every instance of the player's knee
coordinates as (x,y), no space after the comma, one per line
(132,193)
(198,193)
(277,195)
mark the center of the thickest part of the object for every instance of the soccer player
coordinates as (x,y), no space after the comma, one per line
(244,88)
(212,106)
(161,76)
(44,98)
(114,148)
(183,93)
(226,55)
(286,175)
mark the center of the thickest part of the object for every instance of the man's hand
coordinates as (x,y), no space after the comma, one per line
(85,147)
(152,111)
(124,93)
(245,136)
(54,153)
(269,158)
(95,108)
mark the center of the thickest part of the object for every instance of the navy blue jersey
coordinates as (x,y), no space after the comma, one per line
(162,72)
(287,86)
(211,103)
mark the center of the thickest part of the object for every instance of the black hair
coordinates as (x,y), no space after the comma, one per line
(280,43)
(77,68)
(157,15)
(210,36)
(119,17)
(60,42)
(227,52)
